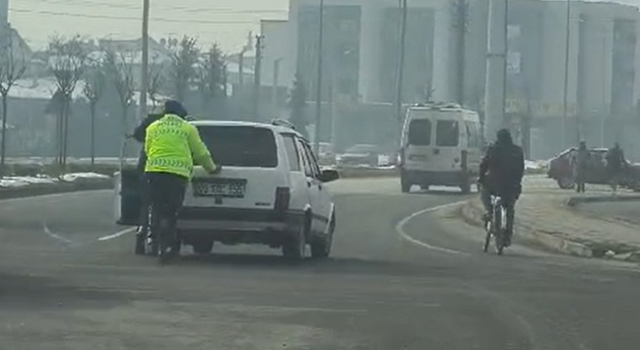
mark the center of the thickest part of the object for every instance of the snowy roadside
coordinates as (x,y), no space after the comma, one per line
(25,186)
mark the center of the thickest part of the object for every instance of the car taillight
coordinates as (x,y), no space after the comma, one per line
(283,196)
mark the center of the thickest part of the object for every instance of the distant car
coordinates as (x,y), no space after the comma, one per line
(271,191)
(362,154)
(326,156)
(561,170)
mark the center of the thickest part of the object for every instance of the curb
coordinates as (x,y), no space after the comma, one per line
(472,215)
(575,201)
(61,187)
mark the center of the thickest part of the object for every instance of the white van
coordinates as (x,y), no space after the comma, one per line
(441,146)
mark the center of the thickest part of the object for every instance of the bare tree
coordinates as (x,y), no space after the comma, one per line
(67,63)
(93,91)
(120,69)
(183,61)
(211,76)
(13,64)
(156,80)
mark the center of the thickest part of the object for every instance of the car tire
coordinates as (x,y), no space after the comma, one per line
(295,248)
(465,188)
(140,244)
(321,248)
(203,246)
(566,183)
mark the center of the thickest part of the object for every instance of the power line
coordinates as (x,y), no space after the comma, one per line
(136,19)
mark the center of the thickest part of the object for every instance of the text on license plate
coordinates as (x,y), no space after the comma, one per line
(234,189)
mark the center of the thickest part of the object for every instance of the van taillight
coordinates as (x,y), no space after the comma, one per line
(283,196)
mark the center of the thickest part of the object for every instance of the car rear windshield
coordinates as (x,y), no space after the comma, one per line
(447,133)
(420,132)
(241,146)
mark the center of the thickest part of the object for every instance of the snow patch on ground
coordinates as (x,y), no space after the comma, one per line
(22,181)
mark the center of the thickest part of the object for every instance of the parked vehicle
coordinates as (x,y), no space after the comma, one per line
(561,169)
(361,154)
(271,191)
(441,145)
(326,156)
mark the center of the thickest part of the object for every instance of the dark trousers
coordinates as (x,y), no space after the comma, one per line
(580,180)
(165,194)
(509,199)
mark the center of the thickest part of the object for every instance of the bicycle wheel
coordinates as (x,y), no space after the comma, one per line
(165,243)
(498,229)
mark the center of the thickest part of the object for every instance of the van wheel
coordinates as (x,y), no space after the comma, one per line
(321,248)
(203,246)
(295,248)
(405,184)
(140,245)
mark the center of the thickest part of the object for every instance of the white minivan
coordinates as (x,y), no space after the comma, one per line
(441,145)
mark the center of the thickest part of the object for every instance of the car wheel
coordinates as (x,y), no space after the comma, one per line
(140,245)
(566,183)
(203,246)
(295,248)
(321,249)
(465,188)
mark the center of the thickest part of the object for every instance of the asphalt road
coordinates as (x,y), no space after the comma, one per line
(403,276)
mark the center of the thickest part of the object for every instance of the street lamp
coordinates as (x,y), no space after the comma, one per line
(316,138)
(144,74)
(566,79)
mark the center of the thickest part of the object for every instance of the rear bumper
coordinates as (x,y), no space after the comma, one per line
(437,178)
(226,221)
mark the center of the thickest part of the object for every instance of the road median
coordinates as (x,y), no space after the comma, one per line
(549,221)
(17,187)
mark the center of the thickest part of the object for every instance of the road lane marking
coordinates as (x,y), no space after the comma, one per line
(118,234)
(400,229)
(53,235)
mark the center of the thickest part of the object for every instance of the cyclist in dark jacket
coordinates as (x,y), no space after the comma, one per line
(501,173)
(583,159)
(615,165)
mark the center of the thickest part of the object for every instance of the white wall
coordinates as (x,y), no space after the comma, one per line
(276,42)
(4,12)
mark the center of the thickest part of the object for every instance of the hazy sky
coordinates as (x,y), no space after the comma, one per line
(227,22)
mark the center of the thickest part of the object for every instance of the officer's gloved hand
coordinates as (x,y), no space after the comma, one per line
(217,170)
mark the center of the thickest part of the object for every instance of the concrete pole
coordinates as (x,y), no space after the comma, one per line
(276,75)
(496,73)
(565,102)
(144,76)
(316,139)
(401,59)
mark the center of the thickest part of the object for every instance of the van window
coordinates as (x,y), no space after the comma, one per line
(447,133)
(473,134)
(420,132)
(240,146)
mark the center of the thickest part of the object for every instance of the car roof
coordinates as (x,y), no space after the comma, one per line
(276,128)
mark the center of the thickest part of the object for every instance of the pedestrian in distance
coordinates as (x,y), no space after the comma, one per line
(615,166)
(581,167)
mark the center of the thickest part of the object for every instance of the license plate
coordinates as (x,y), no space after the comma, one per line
(219,188)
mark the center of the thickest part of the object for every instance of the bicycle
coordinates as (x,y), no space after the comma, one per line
(496,225)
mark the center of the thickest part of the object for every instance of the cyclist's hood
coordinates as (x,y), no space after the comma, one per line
(176,108)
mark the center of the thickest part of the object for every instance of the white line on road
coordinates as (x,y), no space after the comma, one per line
(118,234)
(400,229)
(53,235)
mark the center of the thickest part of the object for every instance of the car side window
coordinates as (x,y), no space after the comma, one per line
(306,163)
(315,168)
(292,152)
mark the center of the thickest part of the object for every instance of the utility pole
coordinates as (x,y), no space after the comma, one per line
(257,72)
(276,75)
(144,78)
(495,88)
(460,26)
(316,140)
(401,55)
(565,97)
